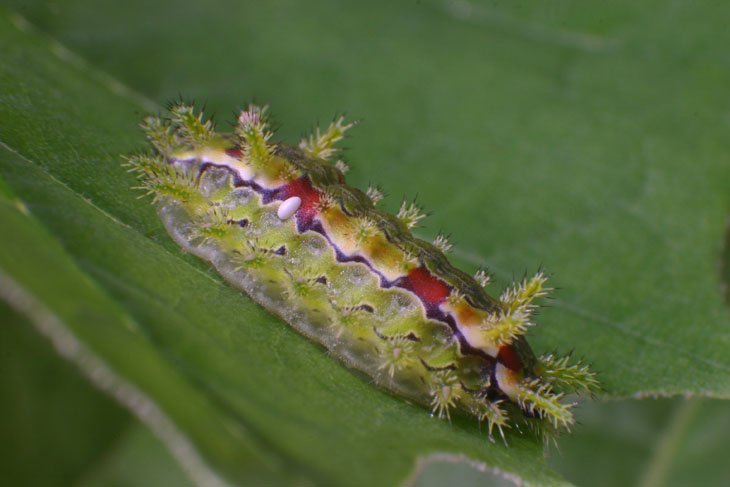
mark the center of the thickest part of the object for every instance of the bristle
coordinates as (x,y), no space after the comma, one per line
(544,430)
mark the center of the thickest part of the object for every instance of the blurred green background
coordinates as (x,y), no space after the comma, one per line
(590,138)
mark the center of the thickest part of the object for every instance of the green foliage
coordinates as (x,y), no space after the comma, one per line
(590,138)
(49,403)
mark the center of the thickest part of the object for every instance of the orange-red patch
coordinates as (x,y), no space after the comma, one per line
(429,288)
(510,358)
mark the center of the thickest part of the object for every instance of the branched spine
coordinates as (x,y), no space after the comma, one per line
(364,230)
(517,309)
(215,225)
(254,132)
(375,194)
(322,145)
(522,295)
(398,354)
(410,214)
(502,328)
(189,127)
(144,165)
(537,397)
(482,277)
(442,243)
(253,256)
(342,166)
(171,181)
(577,377)
(302,281)
(159,133)
(445,390)
(492,412)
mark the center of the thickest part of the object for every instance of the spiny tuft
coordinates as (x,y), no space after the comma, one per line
(144,165)
(445,391)
(517,308)
(253,129)
(160,134)
(482,277)
(492,412)
(523,294)
(397,355)
(342,166)
(410,214)
(171,181)
(214,225)
(375,194)
(322,144)
(537,397)
(504,327)
(577,377)
(442,243)
(190,128)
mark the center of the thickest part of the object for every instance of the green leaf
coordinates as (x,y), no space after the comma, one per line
(60,430)
(210,372)
(138,459)
(40,280)
(650,443)
(588,137)
(53,422)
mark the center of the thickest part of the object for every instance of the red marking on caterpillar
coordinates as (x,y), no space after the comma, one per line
(310,197)
(427,287)
(510,358)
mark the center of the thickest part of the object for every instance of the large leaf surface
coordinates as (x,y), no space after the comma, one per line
(649,443)
(257,400)
(588,138)
(48,407)
(60,430)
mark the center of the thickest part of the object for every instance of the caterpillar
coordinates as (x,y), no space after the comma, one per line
(278,222)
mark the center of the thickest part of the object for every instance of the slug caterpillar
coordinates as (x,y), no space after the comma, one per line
(280,223)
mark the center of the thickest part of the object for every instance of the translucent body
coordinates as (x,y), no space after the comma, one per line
(280,223)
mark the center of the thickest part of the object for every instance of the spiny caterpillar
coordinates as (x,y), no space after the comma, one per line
(280,223)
